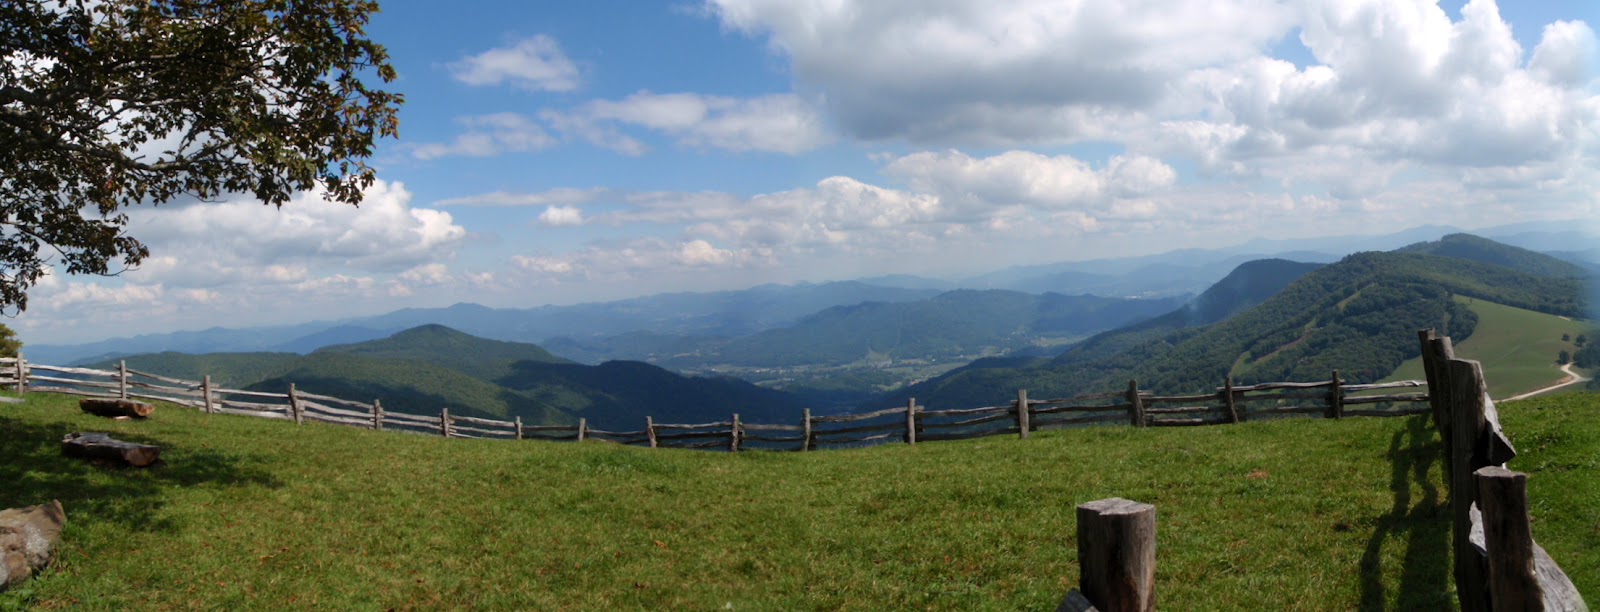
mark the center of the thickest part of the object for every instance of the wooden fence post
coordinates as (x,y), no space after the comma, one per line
(294,405)
(805,431)
(1117,554)
(1135,404)
(377,415)
(911,421)
(22,374)
(1503,499)
(733,434)
(650,430)
(205,394)
(1228,400)
(1022,414)
(444,422)
(122,379)
(1336,398)
(1465,378)
(519,427)
(583,429)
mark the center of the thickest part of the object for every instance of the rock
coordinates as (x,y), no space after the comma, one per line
(116,407)
(27,540)
(103,446)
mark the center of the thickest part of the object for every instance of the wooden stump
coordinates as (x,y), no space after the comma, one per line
(27,540)
(1117,554)
(116,408)
(103,446)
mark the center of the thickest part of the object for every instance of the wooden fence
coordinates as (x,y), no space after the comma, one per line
(909,423)
(1498,566)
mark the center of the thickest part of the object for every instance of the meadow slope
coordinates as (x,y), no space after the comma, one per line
(250,513)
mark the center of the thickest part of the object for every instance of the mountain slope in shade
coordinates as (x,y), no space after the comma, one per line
(441,346)
(618,395)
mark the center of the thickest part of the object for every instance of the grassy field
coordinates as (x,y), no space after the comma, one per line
(249,513)
(1518,346)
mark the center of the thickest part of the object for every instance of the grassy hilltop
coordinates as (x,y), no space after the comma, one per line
(249,513)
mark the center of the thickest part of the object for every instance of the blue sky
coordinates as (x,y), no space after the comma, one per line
(557,152)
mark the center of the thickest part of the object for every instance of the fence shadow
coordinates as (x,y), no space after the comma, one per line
(34,472)
(1424,523)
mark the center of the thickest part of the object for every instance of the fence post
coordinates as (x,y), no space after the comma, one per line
(1228,400)
(294,405)
(444,422)
(1117,554)
(1503,498)
(122,379)
(205,394)
(911,421)
(377,415)
(650,430)
(805,432)
(1336,398)
(733,434)
(1135,404)
(1466,417)
(22,375)
(583,429)
(1022,414)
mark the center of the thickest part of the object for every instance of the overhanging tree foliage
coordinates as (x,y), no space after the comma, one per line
(107,104)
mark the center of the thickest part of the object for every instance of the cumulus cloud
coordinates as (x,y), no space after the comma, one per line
(948,197)
(489,135)
(997,70)
(535,63)
(558,216)
(775,123)
(384,233)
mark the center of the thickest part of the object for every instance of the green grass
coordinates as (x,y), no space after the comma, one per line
(1558,445)
(250,513)
(1518,347)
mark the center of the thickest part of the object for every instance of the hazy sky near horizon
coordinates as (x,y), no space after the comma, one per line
(557,152)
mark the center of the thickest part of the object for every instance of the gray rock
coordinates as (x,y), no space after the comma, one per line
(27,540)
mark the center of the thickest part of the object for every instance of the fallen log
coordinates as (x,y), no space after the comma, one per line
(116,407)
(27,540)
(103,446)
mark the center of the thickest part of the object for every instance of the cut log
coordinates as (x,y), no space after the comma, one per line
(116,407)
(103,446)
(27,540)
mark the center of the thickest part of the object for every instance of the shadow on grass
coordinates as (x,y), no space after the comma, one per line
(35,472)
(1425,572)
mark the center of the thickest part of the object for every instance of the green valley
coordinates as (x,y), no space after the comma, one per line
(1520,346)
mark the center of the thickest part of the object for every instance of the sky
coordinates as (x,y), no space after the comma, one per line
(561,152)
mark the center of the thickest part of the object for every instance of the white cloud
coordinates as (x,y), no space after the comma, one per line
(489,135)
(535,63)
(774,123)
(561,216)
(554,197)
(997,71)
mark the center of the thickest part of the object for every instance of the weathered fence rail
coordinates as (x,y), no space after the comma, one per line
(1498,566)
(910,423)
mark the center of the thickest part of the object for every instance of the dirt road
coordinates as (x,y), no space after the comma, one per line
(1572,379)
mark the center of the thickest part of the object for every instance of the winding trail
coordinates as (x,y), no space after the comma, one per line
(1572,379)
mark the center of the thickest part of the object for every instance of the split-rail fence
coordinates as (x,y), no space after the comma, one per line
(909,423)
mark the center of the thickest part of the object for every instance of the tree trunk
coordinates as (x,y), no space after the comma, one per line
(116,408)
(103,446)
(27,540)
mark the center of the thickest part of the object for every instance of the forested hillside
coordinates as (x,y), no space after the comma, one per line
(1358,316)
(425,369)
